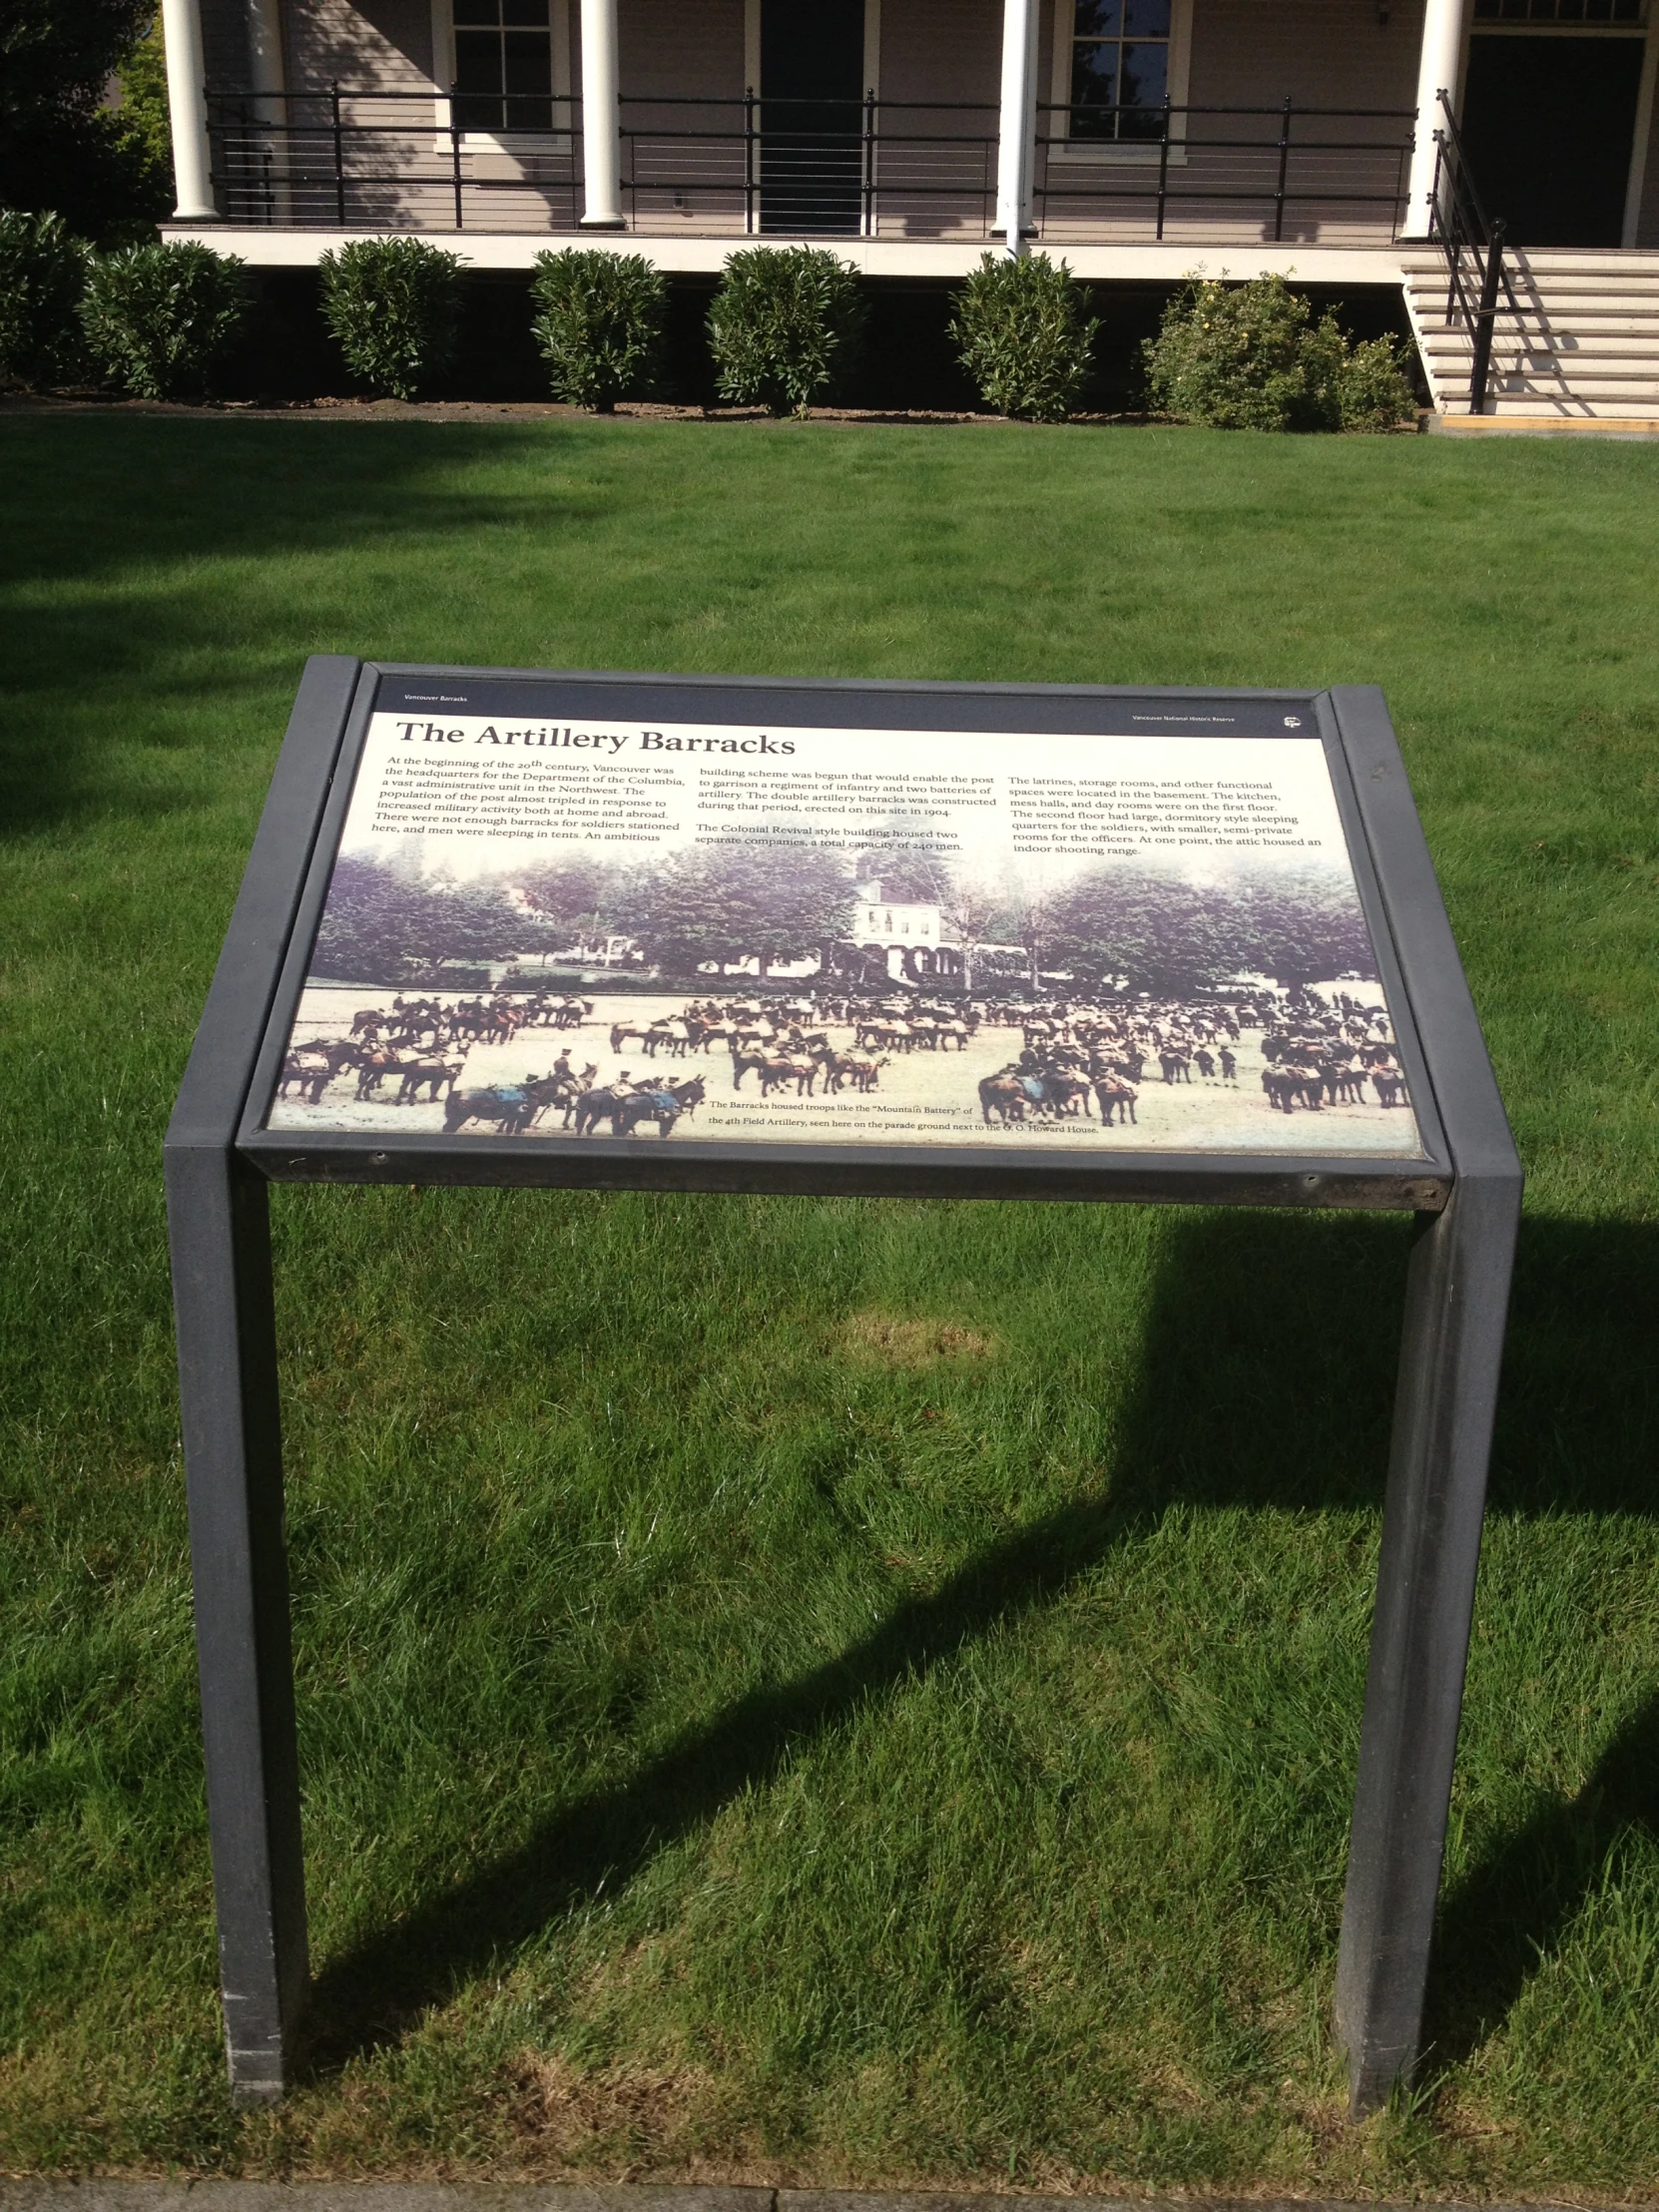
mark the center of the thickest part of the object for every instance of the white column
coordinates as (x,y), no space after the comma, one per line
(601,145)
(267,72)
(267,75)
(1440,58)
(1016,139)
(186,107)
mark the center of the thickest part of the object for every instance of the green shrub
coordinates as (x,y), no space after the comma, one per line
(1237,358)
(1375,387)
(599,322)
(1251,358)
(393,305)
(785,327)
(43,272)
(159,319)
(1021,336)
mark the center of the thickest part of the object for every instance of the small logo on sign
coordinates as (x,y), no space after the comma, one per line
(1292,721)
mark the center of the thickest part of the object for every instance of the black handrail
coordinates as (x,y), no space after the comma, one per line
(1458,222)
(330,156)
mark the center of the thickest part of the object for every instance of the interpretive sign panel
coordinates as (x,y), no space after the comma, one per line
(513,927)
(1144,937)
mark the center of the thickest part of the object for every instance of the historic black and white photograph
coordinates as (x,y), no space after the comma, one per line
(830,936)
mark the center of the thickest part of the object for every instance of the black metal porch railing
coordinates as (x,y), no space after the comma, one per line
(1474,249)
(347,160)
(1235,159)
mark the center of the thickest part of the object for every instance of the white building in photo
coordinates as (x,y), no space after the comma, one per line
(909,936)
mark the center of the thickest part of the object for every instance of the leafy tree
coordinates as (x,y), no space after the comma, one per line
(380,922)
(1167,935)
(569,896)
(969,906)
(43,272)
(732,903)
(60,147)
(902,872)
(1028,908)
(144,121)
(478,920)
(1302,927)
(1144,932)
(377,923)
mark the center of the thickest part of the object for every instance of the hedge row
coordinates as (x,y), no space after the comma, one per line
(786,330)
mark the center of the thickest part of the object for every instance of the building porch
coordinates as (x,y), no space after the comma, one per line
(1138,139)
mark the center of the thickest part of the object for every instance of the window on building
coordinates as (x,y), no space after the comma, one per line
(1558,11)
(1120,68)
(503,65)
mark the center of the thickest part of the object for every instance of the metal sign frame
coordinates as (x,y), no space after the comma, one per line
(220,1160)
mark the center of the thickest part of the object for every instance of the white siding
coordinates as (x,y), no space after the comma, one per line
(383,45)
(1333,53)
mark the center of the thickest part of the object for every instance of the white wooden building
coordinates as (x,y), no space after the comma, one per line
(1138,139)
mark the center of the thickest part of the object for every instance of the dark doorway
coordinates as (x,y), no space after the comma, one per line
(1549,124)
(811,117)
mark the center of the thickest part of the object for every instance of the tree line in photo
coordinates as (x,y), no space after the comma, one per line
(1117,926)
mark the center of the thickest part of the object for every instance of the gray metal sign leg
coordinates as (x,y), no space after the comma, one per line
(218,1225)
(1456,1301)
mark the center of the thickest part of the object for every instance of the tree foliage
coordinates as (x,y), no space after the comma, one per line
(1304,926)
(384,922)
(1023,335)
(43,272)
(1144,932)
(60,147)
(735,902)
(1112,926)
(785,327)
(599,324)
(144,114)
(569,894)
(903,872)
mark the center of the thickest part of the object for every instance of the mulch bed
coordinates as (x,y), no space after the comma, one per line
(492,410)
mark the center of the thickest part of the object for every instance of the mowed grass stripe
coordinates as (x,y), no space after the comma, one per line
(822,1690)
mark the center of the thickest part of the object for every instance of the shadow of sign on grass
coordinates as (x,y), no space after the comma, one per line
(1579,1433)
(182,621)
(1513,1909)
(1266,1382)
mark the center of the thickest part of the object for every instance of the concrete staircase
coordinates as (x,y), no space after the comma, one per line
(1583,347)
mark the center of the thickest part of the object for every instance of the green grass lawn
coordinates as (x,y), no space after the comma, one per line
(830,1691)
